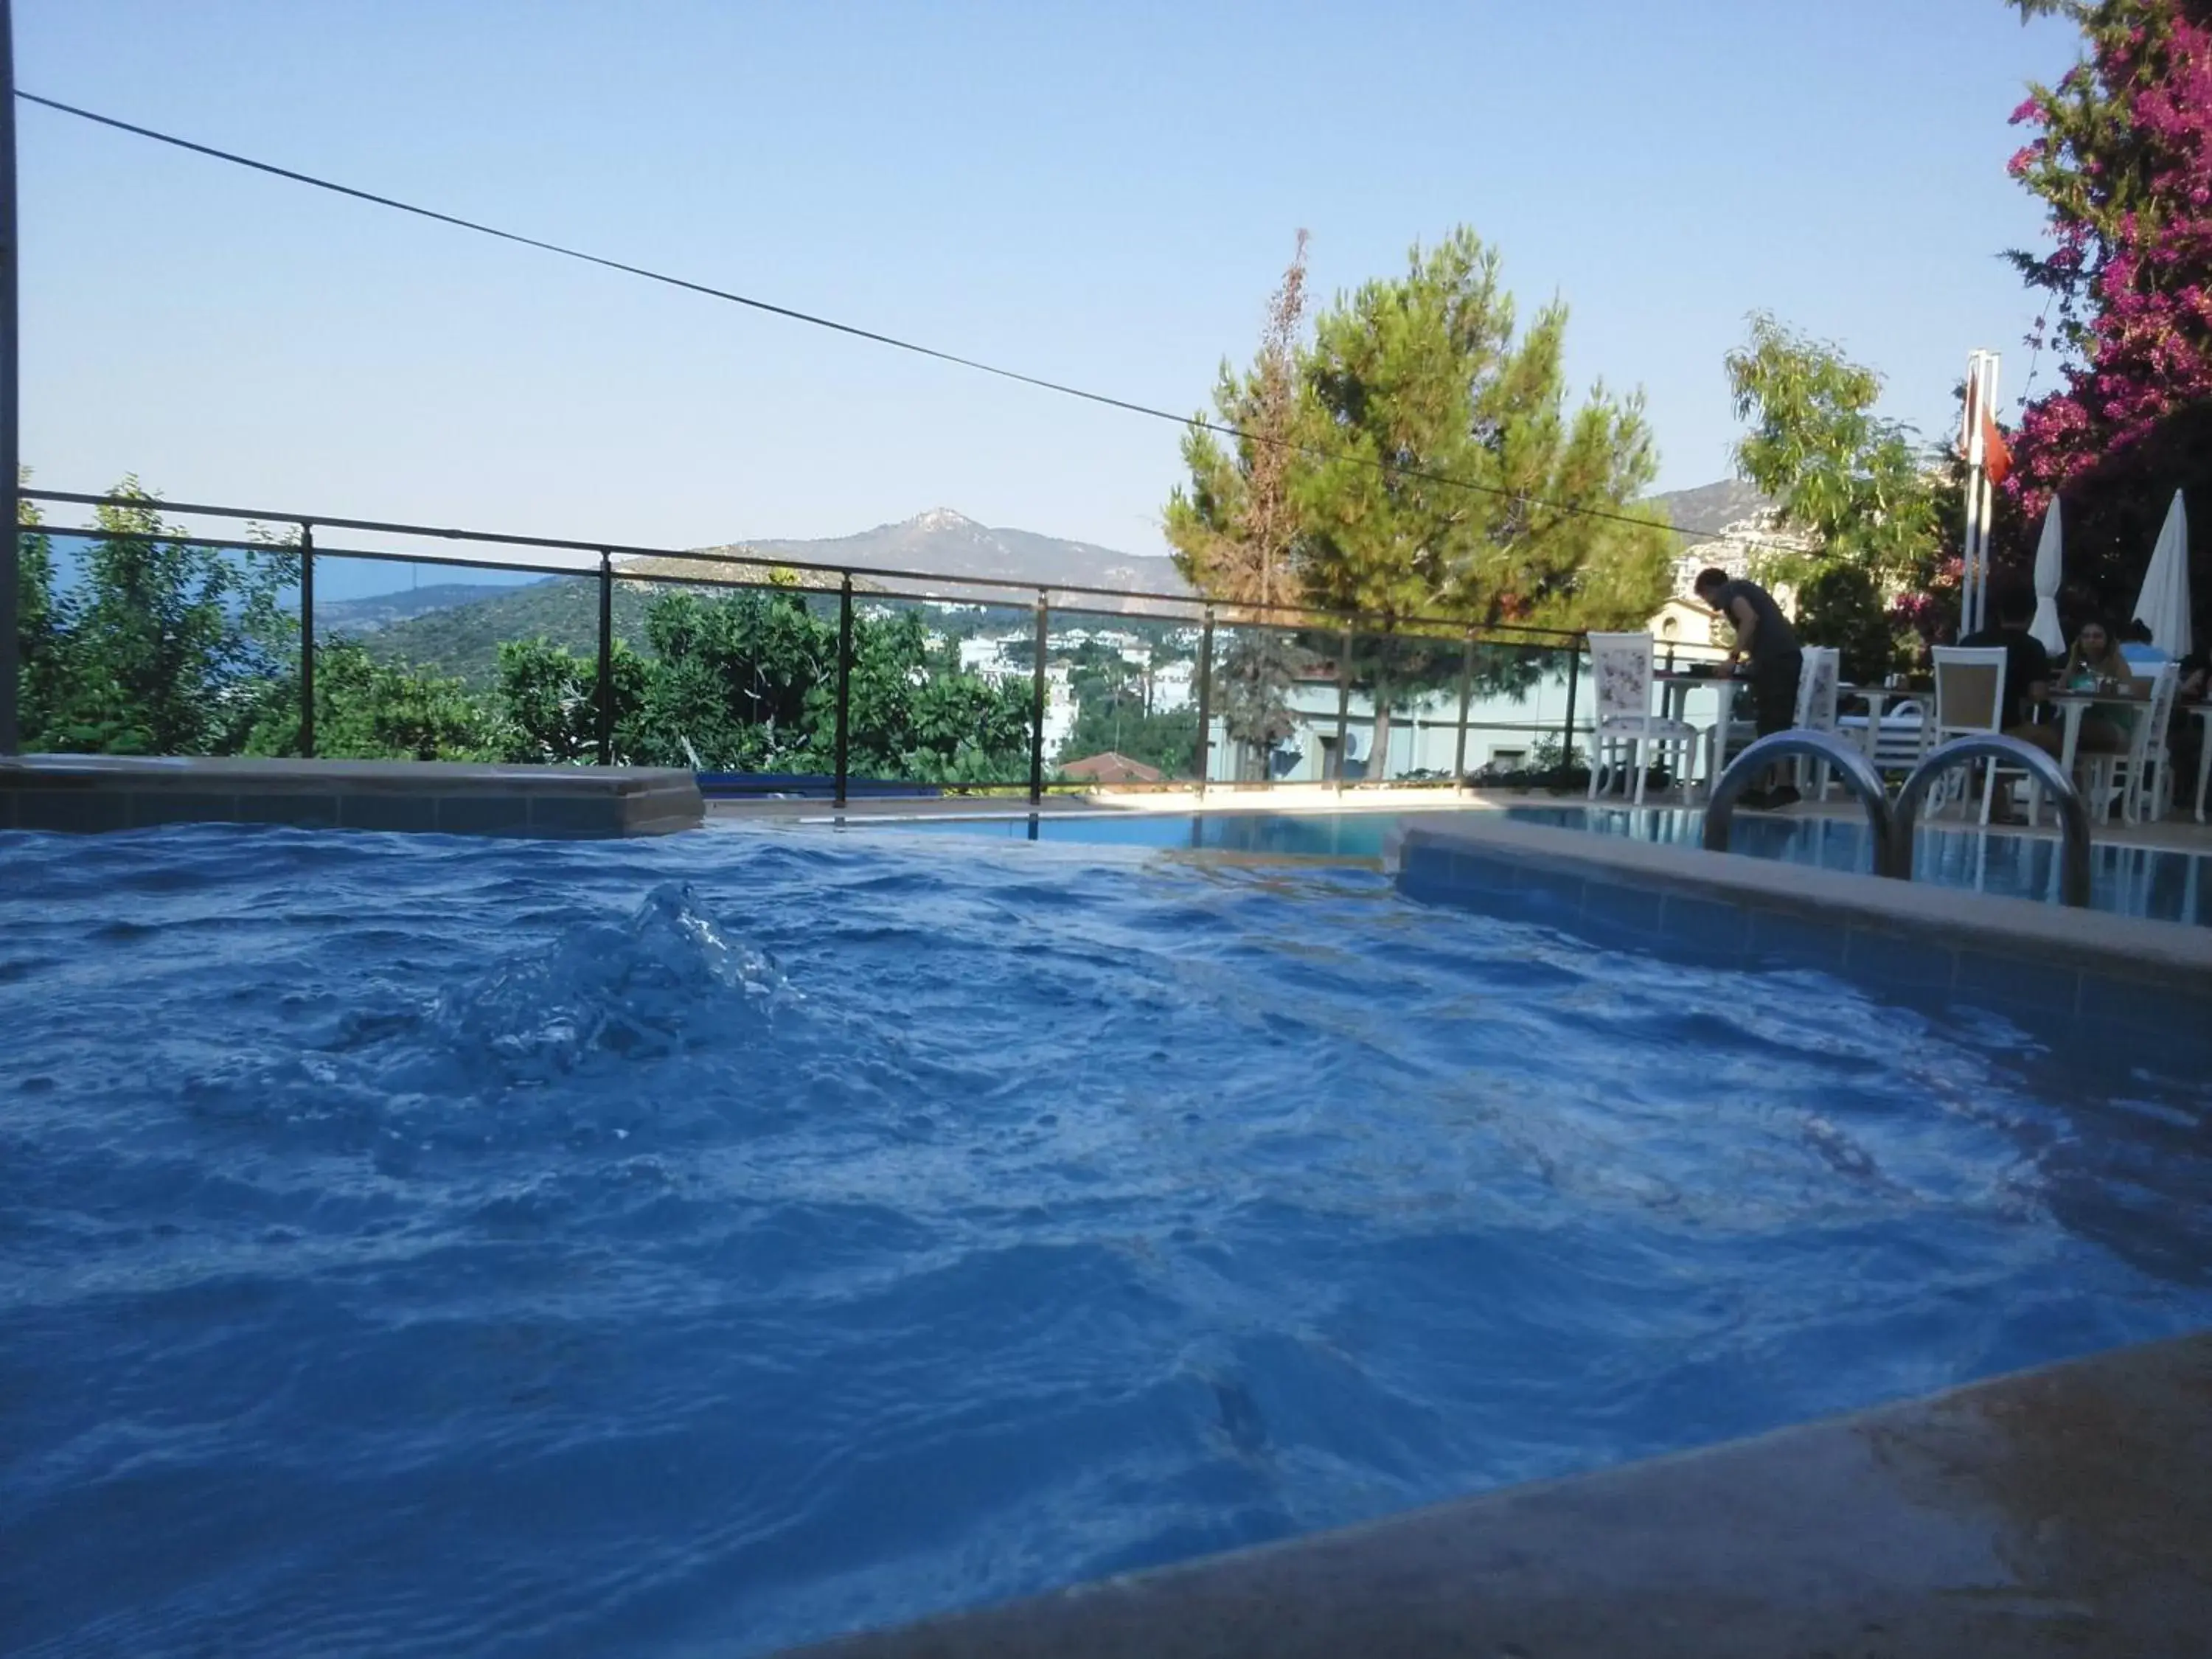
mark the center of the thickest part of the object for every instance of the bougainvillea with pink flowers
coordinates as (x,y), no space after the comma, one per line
(2120,152)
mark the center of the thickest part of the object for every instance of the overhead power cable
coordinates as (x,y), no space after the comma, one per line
(1220,429)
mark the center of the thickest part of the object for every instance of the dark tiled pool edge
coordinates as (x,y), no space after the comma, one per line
(2090,972)
(2063,1510)
(94,794)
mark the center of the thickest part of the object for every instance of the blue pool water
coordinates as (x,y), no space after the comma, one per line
(2168,886)
(424,1247)
(1300,835)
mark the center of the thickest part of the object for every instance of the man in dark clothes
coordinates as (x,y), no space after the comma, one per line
(2028,667)
(1765,639)
(2026,679)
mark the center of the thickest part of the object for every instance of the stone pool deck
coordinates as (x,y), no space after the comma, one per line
(97,793)
(2061,1511)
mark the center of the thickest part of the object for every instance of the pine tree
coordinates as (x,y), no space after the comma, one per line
(1438,478)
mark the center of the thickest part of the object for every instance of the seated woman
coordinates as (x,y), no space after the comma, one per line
(2095,664)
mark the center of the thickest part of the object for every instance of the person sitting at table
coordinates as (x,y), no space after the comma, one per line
(2142,654)
(2095,664)
(2096,657)
(2027,685)
(1766,640)
(2027,668)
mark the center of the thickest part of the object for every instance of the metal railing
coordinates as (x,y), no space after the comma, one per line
(1546,654)
(1894,826)
(1850,764)
(2073,834)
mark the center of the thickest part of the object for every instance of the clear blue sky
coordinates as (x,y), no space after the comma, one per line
(1099,193)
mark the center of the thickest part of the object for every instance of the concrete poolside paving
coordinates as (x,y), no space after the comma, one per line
(2066,1511)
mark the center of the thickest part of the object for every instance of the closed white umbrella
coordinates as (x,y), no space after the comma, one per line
(2049,567)
(2163,606)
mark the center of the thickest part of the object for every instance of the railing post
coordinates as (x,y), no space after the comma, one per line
(11,732)
(606,686)
(2075,835)
(307,640)
(1567,733)
(1205,701)
(1466,697)
(844,687)
(1343,709)
(1851,767)
(1036,706)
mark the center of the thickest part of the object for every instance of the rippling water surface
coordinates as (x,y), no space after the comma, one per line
(423,1247)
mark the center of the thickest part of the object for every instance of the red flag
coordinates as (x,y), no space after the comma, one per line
(1996,456)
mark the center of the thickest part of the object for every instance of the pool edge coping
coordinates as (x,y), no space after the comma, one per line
(2171,955)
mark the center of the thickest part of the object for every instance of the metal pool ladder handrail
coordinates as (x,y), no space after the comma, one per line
(1850,762)
(2073,812)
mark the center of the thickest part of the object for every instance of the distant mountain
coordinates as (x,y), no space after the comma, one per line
(943,542)
(369,615)
(1709,509)
(462,638)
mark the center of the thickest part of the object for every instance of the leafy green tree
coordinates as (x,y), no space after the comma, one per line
(169,647)
(1440,473)
(1425,377)
(1252,684)
(1840,606)
(1112,715)
(734,679)
(41,663)
(549,704)
(166,646)
(370,710)
(748,682)
(914,717)
(1860,486)
(1236,527)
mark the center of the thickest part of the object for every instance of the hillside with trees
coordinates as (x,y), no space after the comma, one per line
(164,647)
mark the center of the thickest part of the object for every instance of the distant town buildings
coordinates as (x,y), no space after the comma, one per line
(1171,686)
(1729,526)
(1509,718)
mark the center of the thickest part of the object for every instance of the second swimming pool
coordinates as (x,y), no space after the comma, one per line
(2133,881)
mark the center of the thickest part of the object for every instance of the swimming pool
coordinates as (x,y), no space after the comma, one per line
(2135,881)
(414,1246)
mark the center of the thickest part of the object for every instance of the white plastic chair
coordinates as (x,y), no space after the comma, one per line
(1621,665)
(2148,751)
(1970,698)
(1817,692)
(1899,738)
